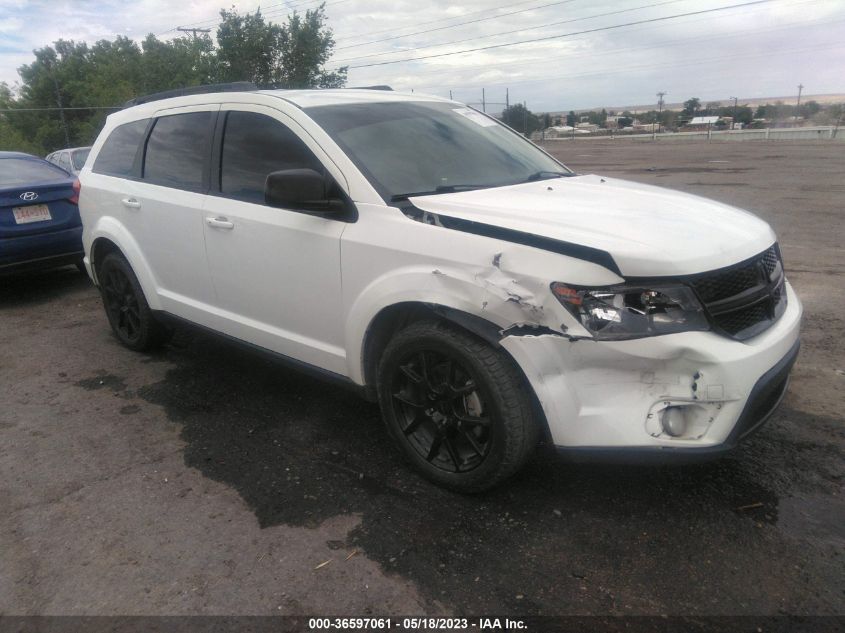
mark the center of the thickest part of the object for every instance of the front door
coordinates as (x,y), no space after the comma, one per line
(276,272)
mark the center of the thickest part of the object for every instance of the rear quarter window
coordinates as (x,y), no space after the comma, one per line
(117,156)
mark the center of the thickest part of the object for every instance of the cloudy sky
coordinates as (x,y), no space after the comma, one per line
(584,53)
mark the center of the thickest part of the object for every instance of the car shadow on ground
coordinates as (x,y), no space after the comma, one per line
(567,537)
(38,287)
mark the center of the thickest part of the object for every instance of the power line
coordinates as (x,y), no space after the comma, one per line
(510,5)
(58,109)
(265,13)
(629,69)
(659,44)
(554,37)
(528,28)
(452,26)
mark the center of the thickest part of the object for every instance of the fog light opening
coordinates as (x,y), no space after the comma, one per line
(674,421)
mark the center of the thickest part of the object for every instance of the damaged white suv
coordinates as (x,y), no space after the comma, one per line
(423,252)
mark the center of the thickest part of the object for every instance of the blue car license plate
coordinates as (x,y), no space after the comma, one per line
(31,213)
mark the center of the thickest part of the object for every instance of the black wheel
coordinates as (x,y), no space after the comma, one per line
(129,314)
(457,408)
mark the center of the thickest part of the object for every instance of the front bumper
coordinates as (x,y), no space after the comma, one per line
(605,399)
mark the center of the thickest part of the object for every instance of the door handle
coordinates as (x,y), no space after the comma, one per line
(131,203)
(219,223)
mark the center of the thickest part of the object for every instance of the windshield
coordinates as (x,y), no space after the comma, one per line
(79,157)
(428,147)
(26,171)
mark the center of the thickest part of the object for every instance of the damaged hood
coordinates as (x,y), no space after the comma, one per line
(649,231)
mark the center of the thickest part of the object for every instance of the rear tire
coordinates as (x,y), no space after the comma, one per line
(128,312)
(457,408)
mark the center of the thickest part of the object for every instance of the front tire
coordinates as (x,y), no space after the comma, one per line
(457,408)
(129,315)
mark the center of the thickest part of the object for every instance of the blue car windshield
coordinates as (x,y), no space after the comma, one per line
(424,147)
(25,172)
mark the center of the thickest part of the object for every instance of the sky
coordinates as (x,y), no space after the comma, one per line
(585,53)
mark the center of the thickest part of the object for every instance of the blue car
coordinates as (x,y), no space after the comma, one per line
(39,216)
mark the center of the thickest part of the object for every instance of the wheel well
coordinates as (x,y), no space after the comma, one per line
(102,246)
(393,318)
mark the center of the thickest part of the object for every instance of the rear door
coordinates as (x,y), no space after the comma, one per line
(164,209)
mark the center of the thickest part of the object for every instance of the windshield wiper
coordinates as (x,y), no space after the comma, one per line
(546,175)
(440,189)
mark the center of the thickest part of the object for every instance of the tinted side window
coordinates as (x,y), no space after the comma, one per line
(177,151)
(255,145)
(117,156)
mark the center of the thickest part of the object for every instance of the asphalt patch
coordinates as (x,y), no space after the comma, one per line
(567,538)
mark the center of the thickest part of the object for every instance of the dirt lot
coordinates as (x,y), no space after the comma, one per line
(204,480)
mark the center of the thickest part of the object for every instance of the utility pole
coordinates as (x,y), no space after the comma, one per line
(450,95)
(736,111)
(660,96)
(507,106)
(194,31)
(52,72)
(525,110)
(798,105)
(483,101)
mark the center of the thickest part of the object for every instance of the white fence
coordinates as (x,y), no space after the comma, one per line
(826,133)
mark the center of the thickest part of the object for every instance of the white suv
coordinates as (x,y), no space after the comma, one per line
(425,253)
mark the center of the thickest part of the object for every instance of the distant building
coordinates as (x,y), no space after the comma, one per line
(586,127)
(703,121)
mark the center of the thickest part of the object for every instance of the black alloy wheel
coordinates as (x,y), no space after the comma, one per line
(129,315)
(441,411)
(458,408)
(122,305)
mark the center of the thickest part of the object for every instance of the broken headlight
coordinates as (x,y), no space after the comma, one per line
(632,311)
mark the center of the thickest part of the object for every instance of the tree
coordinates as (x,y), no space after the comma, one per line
(517,116)
(691,106)
(571,119)
(72,84)
(292,55)
(305,45)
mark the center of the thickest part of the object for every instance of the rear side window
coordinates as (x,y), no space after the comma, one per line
(24,172)
(177,151)
(79,157)
(117,156)
(255,145)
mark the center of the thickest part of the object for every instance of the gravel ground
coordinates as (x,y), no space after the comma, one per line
(205,480)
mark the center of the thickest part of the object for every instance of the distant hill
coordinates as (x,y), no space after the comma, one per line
(753,102)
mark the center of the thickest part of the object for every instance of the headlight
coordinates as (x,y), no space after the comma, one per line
(632,311)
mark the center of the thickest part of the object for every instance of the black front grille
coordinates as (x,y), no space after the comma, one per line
(745,299)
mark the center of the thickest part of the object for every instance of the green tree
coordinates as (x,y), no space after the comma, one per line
(305,44)
(69,83)
(521,119)
(292,55)
(691,106)
(571,119)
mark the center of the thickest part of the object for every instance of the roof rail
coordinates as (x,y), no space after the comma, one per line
(237,86)
(380,87)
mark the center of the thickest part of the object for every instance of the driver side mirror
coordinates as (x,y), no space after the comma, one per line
(304,189)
